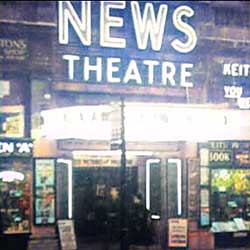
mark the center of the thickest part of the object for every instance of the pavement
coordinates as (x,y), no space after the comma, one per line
(86,245)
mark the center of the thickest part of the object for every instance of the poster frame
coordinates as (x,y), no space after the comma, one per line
(34,190)
(17,110)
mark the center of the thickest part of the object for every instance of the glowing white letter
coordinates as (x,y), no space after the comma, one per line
(227,69)
(111,68)
(148,25)
(82,27)
(107,21)
(71,59)
(188,30)
(150,64)
(185,74)
(6,147)
(132,73)
(168,75)
(88,68)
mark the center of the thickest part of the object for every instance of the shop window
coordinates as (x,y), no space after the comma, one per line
(225,186)
(15,201)
(230,197)
(15,186)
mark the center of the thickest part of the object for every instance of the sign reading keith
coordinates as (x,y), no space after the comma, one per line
(121,42)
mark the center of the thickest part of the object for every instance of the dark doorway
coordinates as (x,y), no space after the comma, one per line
(96,201)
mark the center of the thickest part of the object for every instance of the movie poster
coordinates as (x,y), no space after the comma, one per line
(44,191)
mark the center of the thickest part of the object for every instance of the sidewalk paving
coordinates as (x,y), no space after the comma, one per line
(85,245)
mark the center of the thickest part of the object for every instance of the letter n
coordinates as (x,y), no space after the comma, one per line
(82,26)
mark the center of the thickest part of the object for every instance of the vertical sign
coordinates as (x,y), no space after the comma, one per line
(177,236)
(116,140)
(44,191)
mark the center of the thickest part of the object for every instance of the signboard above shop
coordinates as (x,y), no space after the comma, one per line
(16,147)
(225,153)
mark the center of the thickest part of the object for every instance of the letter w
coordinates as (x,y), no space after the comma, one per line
(149,25)
(81,26)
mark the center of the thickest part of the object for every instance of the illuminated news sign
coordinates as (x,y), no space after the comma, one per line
(129,43)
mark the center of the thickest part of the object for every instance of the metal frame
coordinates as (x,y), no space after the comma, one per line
(34,190)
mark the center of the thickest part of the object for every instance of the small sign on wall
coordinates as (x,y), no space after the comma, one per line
(13,49)
(11,120)
(4,88)
(177,232)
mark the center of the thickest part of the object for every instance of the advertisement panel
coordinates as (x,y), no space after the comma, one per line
(177,232)
(12,121)
(44,191)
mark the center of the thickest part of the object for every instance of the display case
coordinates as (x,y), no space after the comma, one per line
(15,185)
(44,191)
(225,185)
(225,191)
(15,201)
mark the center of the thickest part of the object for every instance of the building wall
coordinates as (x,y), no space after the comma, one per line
(31,60)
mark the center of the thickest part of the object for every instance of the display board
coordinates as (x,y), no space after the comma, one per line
(177,232)
(44,191)
(67,234)
(11,117)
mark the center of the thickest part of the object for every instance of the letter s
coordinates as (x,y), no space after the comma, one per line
(190,44)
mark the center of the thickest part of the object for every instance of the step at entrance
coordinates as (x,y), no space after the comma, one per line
(41,243)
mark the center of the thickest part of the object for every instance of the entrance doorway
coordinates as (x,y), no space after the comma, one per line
(165,198)
(96,201)
(155,193)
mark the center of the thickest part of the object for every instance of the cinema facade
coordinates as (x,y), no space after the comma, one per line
(177,72)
